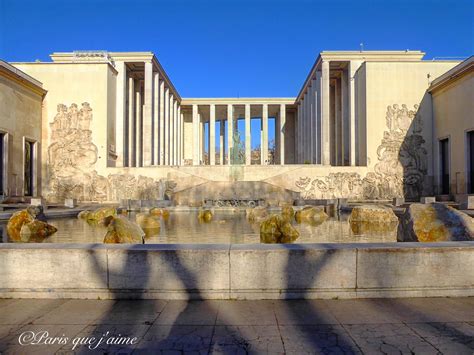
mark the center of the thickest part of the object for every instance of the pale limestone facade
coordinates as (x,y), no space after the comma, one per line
(114,127)
(453,120)
(21,99)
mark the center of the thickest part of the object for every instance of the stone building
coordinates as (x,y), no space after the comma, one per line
(361,127)
(453,136)
(21,99)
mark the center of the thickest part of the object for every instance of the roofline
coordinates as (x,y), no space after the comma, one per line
(125,57)
(408,56)
(454,73)
(238,100)
(22,78)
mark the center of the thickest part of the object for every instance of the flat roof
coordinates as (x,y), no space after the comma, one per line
(238,101)
(21,77)
(453,74)
(365,56)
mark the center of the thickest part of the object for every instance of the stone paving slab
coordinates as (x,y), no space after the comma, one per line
(369,326)
(245,339)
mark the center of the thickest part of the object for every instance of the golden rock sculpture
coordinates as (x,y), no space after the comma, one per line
(287,212)
(370,219)
(36,231)
(16,221)
(434,222)
(277,229)
(149,224)
(96,217)
(26,226)
(256,214)
(205,216)
(120,230)
(311,215)
(156,211)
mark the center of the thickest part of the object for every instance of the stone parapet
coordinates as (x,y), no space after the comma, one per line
(239,271)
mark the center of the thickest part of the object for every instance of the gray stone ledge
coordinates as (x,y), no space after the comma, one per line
(238,271)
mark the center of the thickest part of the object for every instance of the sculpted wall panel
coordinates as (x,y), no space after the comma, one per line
(400,170)
(73,172)
(72,158)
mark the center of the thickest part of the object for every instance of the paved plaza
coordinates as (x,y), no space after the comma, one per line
(371,326)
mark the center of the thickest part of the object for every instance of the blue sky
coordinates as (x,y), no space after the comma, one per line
(235,48)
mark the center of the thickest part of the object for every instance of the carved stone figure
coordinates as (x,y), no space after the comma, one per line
(399,171)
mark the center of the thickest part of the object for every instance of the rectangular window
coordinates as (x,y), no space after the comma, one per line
(3,160)
(470,164)
(444,163)
(29,168)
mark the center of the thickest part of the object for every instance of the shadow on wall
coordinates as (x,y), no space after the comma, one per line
(179,332)
(405,151)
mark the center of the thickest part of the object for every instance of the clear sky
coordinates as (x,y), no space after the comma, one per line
(234,48)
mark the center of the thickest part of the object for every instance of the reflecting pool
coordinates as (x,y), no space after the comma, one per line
(226,227)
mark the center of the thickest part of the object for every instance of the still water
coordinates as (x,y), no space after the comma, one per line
(225,227)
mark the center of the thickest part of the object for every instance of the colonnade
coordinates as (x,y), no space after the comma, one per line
(326,127)
(149,125)
(211,112)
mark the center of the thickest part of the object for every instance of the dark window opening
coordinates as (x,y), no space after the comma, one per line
(29,171)
(470,168)
(444,152)
(2,163)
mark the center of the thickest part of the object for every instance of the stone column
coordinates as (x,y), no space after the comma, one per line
(276,153)
(318,118)
(162,123)
(195,135)
(121,110)
(221,142)
(156,120)
(147,131)
(248,138)
(167,127)
(303,132)
(311,122)
(344,117)
(180,135)
(338,123)
(171,131)
(175,133)
(131,122)
(353,66)
(201,141)
(138,125)
(230,132)
(307,127)
(298,132)
(325,122)
(282,133)
(314,120)
(265,134)
(212,134)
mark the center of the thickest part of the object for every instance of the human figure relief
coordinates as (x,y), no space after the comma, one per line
(73,116)
(85,117)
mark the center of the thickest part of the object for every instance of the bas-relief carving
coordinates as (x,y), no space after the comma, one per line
(400,169)
(71,161)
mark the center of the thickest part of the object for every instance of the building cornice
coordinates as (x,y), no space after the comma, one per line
(111,58)
(452,75)
(238,101)
(16,75)
(364,56)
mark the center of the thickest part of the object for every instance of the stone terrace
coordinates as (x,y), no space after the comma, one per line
(373,326)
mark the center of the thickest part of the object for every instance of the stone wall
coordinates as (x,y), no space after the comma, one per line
(20,120)
(236,271)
